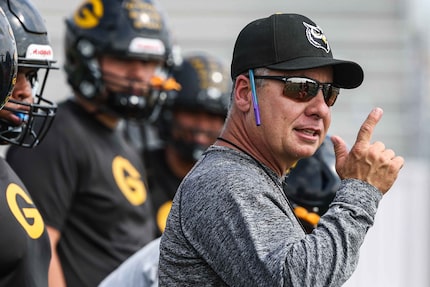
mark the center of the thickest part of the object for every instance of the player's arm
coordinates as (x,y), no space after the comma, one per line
(56,275)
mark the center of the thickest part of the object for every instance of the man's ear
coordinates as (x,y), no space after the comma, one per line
(242,93)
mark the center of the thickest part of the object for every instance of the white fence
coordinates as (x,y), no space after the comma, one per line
(396,251)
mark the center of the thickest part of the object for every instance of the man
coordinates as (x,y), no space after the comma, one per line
(24,242)
(231,223)
(190,122)
(87,181)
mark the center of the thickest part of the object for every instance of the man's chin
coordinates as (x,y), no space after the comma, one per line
(308,152)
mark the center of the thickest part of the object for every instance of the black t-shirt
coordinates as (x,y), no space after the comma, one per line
(88,183)
(162,185)
(25,251)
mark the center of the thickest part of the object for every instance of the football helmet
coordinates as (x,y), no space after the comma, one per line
(35,56)
(8,60)
(130,29)
(205,87)
(312,184)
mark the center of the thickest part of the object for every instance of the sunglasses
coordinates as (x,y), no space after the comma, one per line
(304,89)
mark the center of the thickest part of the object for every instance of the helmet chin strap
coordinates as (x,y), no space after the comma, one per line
(9,131)
(20,135)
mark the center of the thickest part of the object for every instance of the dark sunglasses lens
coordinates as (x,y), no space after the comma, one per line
(330,94)
(304,90)
(301,91)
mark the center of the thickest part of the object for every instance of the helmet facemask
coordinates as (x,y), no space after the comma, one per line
(36,117)
(132,99)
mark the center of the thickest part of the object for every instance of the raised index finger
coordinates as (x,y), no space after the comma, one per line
(366,129)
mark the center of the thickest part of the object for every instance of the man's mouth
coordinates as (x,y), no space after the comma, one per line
(310,132)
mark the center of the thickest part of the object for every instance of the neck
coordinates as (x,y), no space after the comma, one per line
(254,152)
(108,120)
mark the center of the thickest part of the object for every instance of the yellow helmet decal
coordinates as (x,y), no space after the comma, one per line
(89,14)
(143,15)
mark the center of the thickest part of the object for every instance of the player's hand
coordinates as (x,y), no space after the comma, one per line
(372,163)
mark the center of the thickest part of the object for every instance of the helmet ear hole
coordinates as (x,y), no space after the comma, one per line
(87,89)
(90,81)
(85,48)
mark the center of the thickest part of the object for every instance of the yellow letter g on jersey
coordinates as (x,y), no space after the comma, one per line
(129,180)
(29,217)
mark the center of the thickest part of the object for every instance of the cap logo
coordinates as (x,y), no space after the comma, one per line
(316,37)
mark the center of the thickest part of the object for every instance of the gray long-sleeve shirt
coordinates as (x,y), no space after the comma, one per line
(231,225)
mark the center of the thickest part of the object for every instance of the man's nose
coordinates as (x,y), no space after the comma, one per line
(141,71)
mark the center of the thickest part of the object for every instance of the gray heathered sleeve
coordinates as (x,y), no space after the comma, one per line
(139,270)
(237,221)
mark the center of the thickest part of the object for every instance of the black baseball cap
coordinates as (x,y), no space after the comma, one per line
(290,42)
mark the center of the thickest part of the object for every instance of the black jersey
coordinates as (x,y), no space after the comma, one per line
(89,184)
(24,243)
(162,185)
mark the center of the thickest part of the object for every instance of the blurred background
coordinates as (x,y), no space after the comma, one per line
(390,40)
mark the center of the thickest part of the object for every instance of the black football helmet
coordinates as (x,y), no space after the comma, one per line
(205,87)
(131,29)
(35,55)
(8,60)
(312,184)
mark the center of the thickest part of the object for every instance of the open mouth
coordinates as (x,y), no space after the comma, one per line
(310,132)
